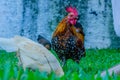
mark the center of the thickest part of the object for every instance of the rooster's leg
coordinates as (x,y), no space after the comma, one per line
(62,60)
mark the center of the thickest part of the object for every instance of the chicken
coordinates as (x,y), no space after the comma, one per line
(66,41)
(44,42)
(31,54)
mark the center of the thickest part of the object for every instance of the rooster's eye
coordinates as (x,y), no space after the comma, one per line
(71,15)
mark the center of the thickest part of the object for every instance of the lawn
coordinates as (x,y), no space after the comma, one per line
(94,62)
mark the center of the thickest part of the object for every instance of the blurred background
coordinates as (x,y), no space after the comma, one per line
(100,19)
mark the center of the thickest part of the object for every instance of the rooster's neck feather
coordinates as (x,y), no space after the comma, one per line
(63,27)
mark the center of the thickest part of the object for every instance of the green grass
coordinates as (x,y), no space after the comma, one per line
(94,62)
(99,60)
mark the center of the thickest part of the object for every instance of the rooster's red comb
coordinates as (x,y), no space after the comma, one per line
(72,9)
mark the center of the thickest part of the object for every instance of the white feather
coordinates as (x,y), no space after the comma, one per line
(8,44)
(32,54)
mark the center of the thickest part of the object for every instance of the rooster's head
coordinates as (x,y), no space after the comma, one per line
(72,15)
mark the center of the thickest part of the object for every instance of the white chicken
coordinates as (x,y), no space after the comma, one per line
(31,54)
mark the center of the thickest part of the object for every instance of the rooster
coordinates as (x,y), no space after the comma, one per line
(68,40)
